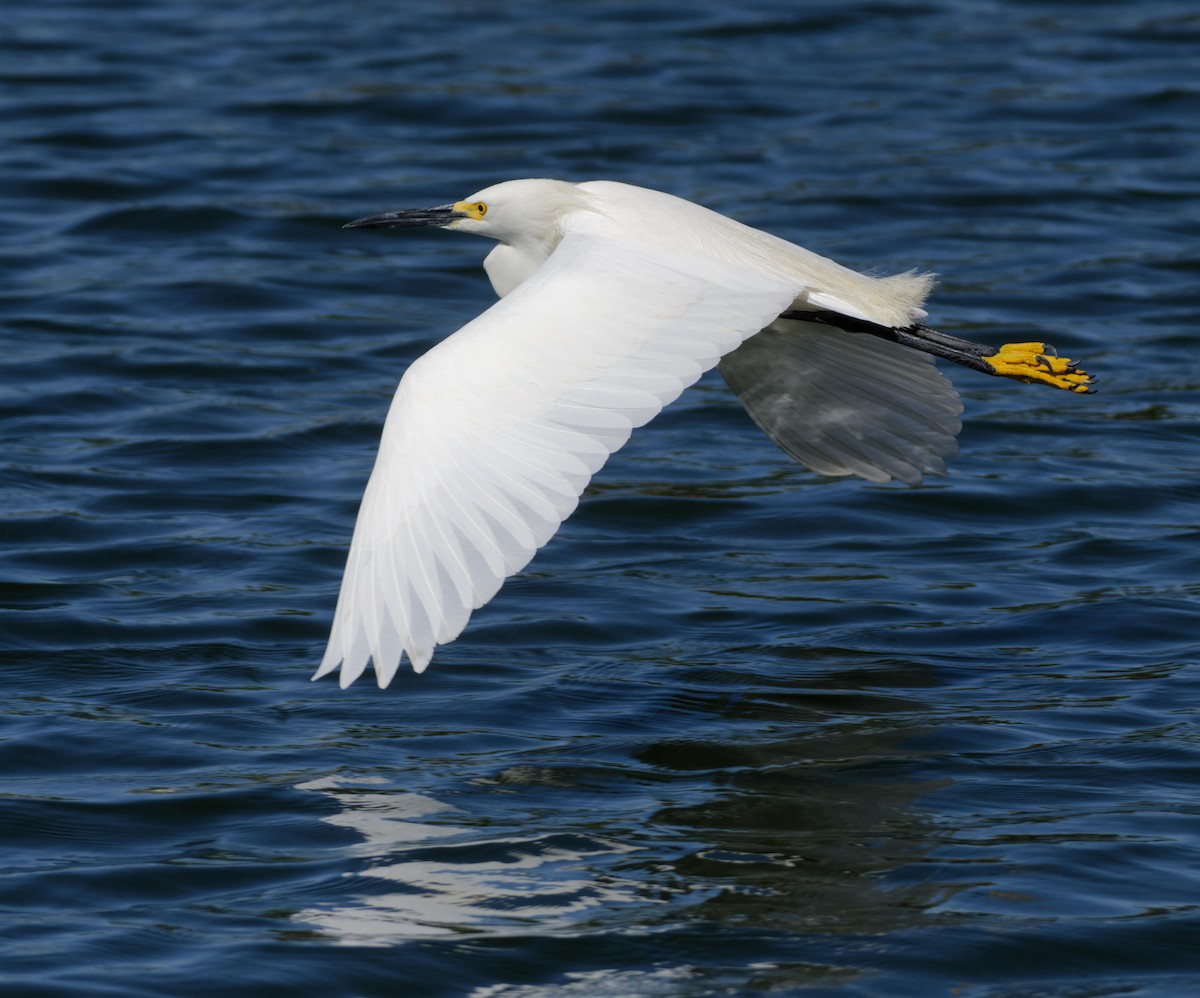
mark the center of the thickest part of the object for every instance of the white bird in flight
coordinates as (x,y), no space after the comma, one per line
(613,299)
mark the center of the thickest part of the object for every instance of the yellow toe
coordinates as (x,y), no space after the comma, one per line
(1037,363)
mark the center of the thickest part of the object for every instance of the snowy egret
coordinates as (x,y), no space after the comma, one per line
(613,299)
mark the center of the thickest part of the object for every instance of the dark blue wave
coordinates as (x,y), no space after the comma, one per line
(739,729)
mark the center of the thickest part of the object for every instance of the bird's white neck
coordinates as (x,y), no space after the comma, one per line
(509,265)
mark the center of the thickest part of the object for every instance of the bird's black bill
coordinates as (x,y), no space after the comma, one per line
(410,218)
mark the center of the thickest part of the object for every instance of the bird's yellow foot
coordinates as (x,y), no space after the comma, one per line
(1037,363)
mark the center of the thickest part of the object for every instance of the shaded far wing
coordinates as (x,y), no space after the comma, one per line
(842,403)
(495,432)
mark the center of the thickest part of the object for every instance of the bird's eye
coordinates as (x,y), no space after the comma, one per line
(481,208)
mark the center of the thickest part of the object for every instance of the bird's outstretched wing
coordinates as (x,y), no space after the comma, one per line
(493,434)
(846,403)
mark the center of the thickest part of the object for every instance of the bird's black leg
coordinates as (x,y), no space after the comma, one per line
(1036,363)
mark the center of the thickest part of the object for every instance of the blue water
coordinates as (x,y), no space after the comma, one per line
(739,729)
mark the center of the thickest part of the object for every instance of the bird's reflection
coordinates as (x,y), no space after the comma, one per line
(809,832)
(807,824)
(448,883)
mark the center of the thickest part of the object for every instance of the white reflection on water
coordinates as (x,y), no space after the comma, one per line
(471,884)
(616,983)
(383,819)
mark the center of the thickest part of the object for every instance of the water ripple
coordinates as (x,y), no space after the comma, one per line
(740,729)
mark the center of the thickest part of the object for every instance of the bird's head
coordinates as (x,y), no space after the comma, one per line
(516,211)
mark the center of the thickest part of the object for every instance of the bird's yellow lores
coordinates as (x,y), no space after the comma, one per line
(613,299)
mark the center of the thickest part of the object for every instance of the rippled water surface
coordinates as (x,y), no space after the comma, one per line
(739,729)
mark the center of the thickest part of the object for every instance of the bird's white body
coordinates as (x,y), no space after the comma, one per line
(667,226)
(613,300)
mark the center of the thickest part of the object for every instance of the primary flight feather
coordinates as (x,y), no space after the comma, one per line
(613,300)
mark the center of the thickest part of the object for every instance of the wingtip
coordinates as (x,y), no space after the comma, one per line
(324,669)
(383,676)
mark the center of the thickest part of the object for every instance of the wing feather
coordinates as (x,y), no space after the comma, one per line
(494,434)
(846,403)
